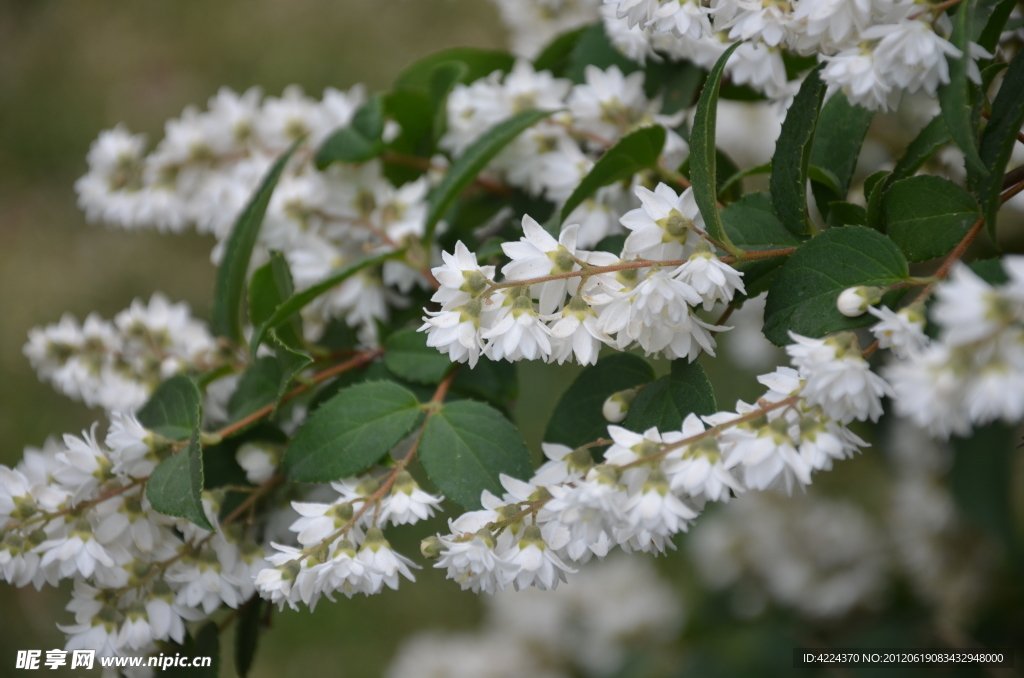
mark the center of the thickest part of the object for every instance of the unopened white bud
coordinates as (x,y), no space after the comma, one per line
(854,301)
(616,407)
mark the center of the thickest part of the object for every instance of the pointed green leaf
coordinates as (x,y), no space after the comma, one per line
(174,409)
(595,49)
(204,643)
(954,97)
(926,216)
(230,288)
(479,63)
(752,225)
(792,159)
(407,355)
(557,56)
(351,432)
(495,381)
(247,634)
(703,158)
(982,481)
(989,38)
(442,81)
(874,188)
(175,488)
(266,381)
(632,153)
(269,286)
(577,418)
(929,140)
(1000,137)
(465,169)
(803,296)
(665,402)
(838,138)
(466,445)
(358,141)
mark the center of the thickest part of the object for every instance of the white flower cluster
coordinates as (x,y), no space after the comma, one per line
(77,510)
(650,486)
(206,168)
(343,547)
(553,156)
(646,297)
(117,364)
(610,608)
(973,372)
(875,49)
(822,557)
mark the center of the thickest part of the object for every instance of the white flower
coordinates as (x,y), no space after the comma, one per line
(519,334)
(131,446)
(838,378)
(854,301)
(858,74)
(901,331)
(461,277)
(344,572)
(929,392)
(383,564)
(699,469)
(967,307)
(713,280)
(578,332)
(259,461)
(408,503)
(473,564)
(533,562)
(655,509)
(666,227)
(912,54)
(537,254)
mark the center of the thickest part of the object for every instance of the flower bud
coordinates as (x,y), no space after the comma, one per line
(854,301)
(616,407)
(431,547)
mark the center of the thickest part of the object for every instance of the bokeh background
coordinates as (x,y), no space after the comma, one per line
(70,69)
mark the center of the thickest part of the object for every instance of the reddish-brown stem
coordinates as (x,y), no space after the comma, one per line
(961,248)
(722,318)
(93,502)
(936,10)
(753,255)
(351,364)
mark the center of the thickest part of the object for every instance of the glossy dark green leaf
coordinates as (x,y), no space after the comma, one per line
(703,157)
(295,303)
(412,111)
(928,141)
(792,158)
(735,179)
(838,138)
(266,381)
(664,403)
(680,85)
(632,153)
(991,271)
(466,445)
(358,141)
(465,169)
(981,480)
(407,355)
(205,643)
(577,418)
(926,216)
(442,81)
(874,188)
(557,56)
(595,49)
(989,37)
(954,97)
(802,298)
(350,432)
(1000,137)
(174,409)
(495,381)
(175,487)
(234,267)
(247,634)
(842,213)
(479,63)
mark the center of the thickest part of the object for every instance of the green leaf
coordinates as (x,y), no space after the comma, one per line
(665,402)
(412,111)
(842,213)
(298,301)
(994,26)
(175,487)
(595,49)
(999,138)
(928,141)
(725,169)
(266,381)
(874,188)
(680,84)
(442,82)
(926,216)
(752,225)
(991,271)
(703,172)
(227,298)
(792,158)
(347,145)
(735,178)
(174,409)
(465,169)
(495,381)
(981,480)
(350,432)
(465,446)
(479,63)
(633,153)
(838,138)
(269,286)
(577,418)
(247,634)
(803,296)
(557,56)
(205,643)
(406,354)
(954,97)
